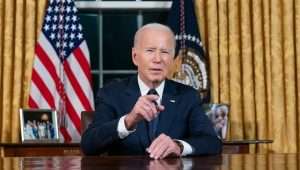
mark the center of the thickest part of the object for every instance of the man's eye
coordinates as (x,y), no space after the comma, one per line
(165,52)
(149,50)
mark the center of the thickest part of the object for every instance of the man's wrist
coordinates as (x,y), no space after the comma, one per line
(180,145)
(122,129)
(128,122)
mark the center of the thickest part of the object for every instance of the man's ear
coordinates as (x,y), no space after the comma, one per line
(134,56)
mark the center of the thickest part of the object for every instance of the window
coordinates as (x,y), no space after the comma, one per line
(109,27)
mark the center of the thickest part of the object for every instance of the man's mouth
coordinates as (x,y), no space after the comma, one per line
(155,69)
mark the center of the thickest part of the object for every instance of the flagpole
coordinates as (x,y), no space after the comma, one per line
(62,101)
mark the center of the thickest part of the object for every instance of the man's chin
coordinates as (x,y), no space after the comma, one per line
(157,80)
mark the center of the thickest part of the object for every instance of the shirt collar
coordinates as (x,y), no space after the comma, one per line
(144,88)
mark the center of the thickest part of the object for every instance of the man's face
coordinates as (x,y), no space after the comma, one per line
(153,54)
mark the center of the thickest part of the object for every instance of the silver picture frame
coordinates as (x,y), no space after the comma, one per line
(38,126)
(218,113)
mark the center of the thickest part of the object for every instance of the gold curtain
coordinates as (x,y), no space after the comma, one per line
(20,22)
(254,52)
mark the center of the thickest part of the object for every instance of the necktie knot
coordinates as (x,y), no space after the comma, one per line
(152,91)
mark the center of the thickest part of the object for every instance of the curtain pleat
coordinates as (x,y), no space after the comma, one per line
(247,70)
(7,65)
(30,39)
(1,45)
(235,74)
(223,52)
(259,72)
(289,74)
(297,50)
(201,14)
(212,47)
(277,75)
(17,63)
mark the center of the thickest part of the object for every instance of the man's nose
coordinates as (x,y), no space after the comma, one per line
(157,57)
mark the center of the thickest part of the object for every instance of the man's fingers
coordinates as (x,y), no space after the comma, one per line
(160,108)
(158,148)
(162,147)
(155,143)
(171,150)
(145,108)
(145,115)
(166,153)
(149,112)
(146,112)
(151,108)
(154,110)
(159,151)
(151,97)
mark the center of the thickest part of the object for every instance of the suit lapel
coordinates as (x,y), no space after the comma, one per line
(169,100)
(133,93)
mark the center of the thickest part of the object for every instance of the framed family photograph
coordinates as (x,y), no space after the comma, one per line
(218,114)
(38,125)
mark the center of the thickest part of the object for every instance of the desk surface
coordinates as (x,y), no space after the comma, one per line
(68,149)
(55,144)
(224,162)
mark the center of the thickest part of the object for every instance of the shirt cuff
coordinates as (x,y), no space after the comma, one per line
(187,148)
(123,132)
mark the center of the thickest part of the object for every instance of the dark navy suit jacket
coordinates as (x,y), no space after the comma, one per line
(182,119)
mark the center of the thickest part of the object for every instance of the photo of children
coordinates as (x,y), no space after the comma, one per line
(38,125)
(218,114)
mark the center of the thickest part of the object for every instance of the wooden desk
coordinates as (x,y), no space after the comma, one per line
(73,149)
(241,146)
(40,149)
(224,162)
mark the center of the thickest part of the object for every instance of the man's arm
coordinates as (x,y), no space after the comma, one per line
(102,132)
(107,125)
(202,136)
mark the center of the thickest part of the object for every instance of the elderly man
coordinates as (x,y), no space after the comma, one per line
(147,113)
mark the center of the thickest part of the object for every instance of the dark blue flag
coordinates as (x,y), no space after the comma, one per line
(190,66)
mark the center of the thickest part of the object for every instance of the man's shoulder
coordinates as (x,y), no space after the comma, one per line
(180,87)
(117,84)
(114,88)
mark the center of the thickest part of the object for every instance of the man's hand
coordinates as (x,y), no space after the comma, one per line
(163,146)
(144,109)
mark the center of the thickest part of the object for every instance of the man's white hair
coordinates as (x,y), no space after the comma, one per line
(153,26)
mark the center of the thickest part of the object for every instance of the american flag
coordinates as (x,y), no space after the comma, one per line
(61,77)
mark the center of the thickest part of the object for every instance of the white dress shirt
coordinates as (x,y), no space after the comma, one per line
(124,132)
